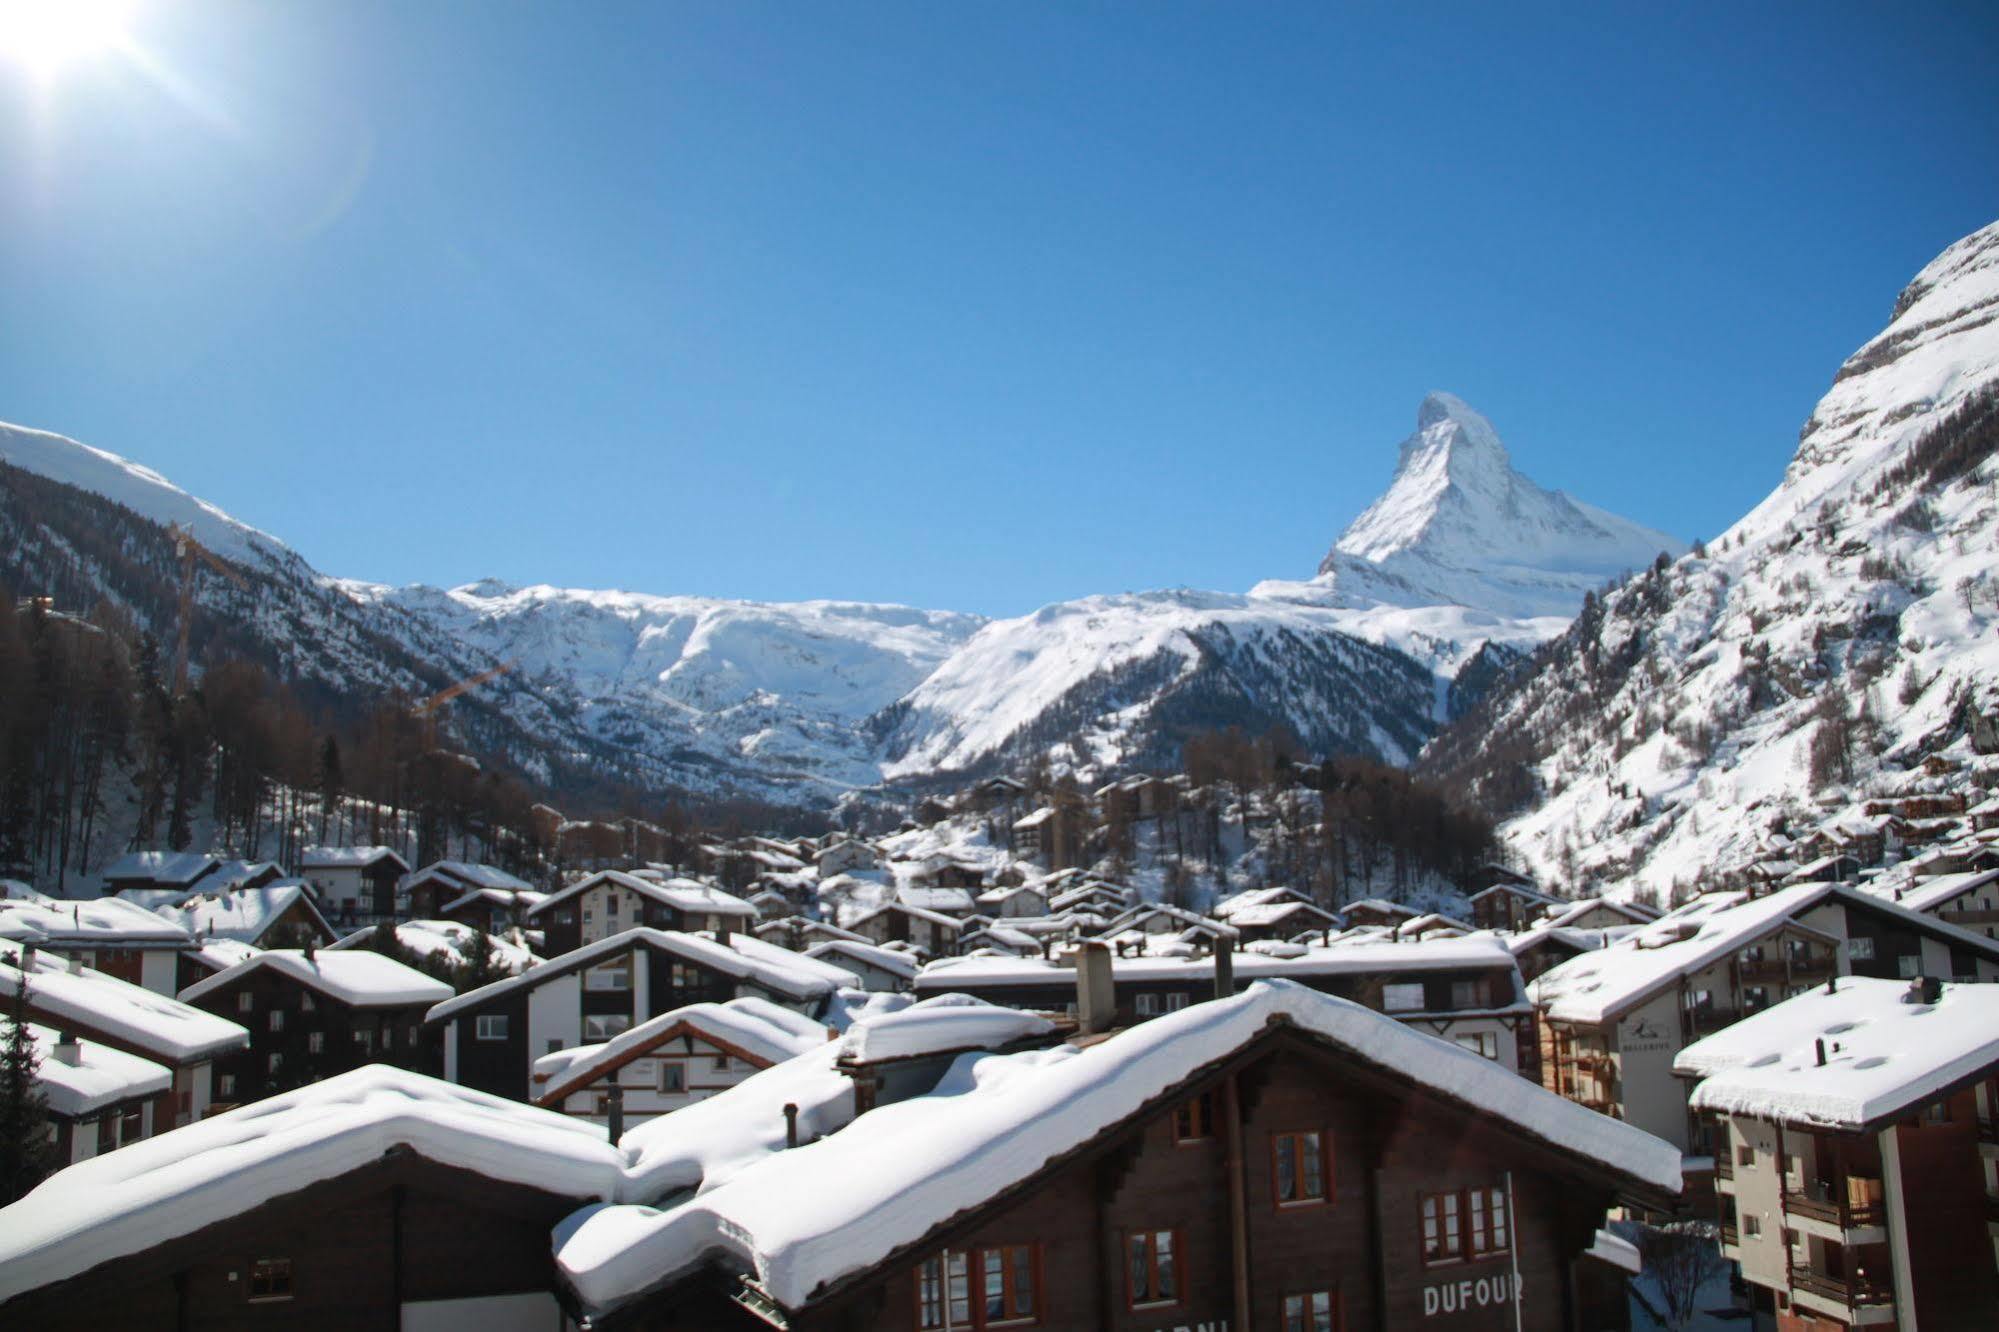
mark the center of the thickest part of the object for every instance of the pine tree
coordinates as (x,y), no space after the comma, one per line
(27,1152)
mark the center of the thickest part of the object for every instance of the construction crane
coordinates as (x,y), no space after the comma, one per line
(188,549)
(427,711)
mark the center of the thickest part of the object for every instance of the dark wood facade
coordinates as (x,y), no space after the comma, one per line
(1211,1179)
(355,1251)
(313,1036)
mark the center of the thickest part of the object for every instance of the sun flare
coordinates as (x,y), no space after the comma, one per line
(47,36)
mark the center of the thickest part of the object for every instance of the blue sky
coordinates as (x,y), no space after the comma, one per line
(970,305)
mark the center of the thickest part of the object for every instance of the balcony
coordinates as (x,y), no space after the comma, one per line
(1853,1292)
(1731,1235)
(1988,1131)
(1724,1166)
(1821,1202)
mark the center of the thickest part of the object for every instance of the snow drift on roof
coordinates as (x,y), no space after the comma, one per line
(100,1077)
(357,977)
(800,1219)
(164,1029)
(112,1206)
(755,1027)
(1883,1053)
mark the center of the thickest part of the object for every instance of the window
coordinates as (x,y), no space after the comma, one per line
(132,1124)
(566,916)
(1860,949)
(366,1040)
(978,1288)
(610,904)
(225,1084)
(1298,1168)
(554,1045)
(1442,1241)
(246,1002)
(1745,1155)
(1484,1043)
(672,1076)
(603,1026)
(1175,1002)
(277,1019)
(1467,994)
(1909,965)
(684,977)
(274,1063)
(1152,1268)
(107,1134)
(721,1063)
(388,1037)
(490,1027)
(1489,1231)
(1752,1225)
(1471,1223)
(1402,998)
(270,1279)
(305,1001)
(1317,1311)
(1194,1121)
(1148,1005)
(315,1043)
(615,975)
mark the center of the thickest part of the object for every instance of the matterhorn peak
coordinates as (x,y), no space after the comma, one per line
(1459,525)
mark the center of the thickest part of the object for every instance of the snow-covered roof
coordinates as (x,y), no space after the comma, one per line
(171,868)
(993,897)
(1527,891)
(936,899)
(471,874)
(163,1029)
(356,977)
(1932,894)
(937,1025)
(1567,913)
(755,1028)
(1264,915)
(1606,983)
(744,957)
(113,1206)
(885,959)
(1381,904)
(100,1075)
(242,914)
(1473,952)
(449,938)
(801,1220)
(98,922)
(222,954)
(1884,1053)
(1036,819)
(347,857)
(915,912)
(689,895)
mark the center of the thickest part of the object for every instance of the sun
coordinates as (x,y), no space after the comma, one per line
(47,36)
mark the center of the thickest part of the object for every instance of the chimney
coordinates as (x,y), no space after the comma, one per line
(1924,990)
(68,1050)
(1224,967)
(1819,1045)
(722,929)
(1096,988)
(790,1124)
(615,1109)
(75,965)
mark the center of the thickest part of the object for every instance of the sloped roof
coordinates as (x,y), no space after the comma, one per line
(164,1029)
(124,1202)
(799,1221)
(1884,1053)
(356,977)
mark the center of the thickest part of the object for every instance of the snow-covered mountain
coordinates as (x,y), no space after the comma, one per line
(1844,630)
(805,702)
(1460,526)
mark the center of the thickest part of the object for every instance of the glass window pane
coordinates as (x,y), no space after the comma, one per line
(1287,1168)
(1168,1288)
(993,1283)
(1023,1280)
(1141,1276)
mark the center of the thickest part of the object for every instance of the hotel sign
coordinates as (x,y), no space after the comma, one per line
(1462,1296)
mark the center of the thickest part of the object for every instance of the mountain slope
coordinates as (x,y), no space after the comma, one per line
(803,703)
(1459,525)
(1844,629)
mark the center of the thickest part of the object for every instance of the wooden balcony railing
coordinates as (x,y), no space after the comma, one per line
(1724,1165)
(1854,1292)
(1822,1204)
(1731,1234)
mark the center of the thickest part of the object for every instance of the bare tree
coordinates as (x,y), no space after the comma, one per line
(1680,1258)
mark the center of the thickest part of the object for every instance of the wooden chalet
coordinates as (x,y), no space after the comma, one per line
(379,1198)
(934,932)
(97,1099)
(1277,1160)
(610,902)
(312,1014)
(492,1036)
(1508,905)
